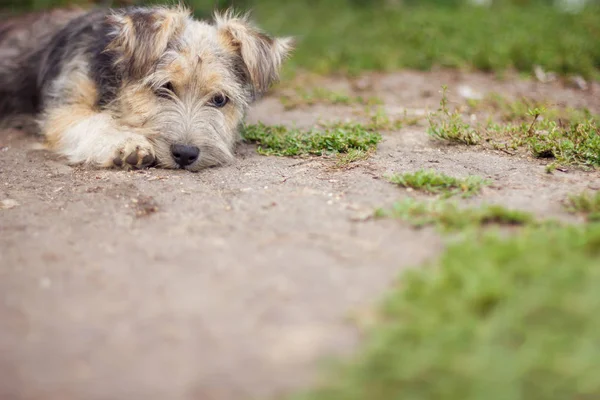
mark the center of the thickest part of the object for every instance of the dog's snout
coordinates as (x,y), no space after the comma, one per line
(184,155)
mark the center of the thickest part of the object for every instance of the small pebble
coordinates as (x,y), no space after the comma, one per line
(45,283)
(7,204)
(577,82)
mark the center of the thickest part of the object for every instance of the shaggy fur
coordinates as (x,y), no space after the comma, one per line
(137,86)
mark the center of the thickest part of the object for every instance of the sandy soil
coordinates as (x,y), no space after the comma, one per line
(235,282)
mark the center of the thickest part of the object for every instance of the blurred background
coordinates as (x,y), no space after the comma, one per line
(351,36)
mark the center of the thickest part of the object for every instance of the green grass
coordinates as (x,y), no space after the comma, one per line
(568,136)
(283,141)
(434,182)
(448,216)
(333,37)
(379,120)
(343,160)
(573,144)
(585,203)
(518,110)
(318,95)
(494,318)
(566,143)
(449,126)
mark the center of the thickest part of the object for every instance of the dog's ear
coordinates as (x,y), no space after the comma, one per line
(261,54)
(139,37)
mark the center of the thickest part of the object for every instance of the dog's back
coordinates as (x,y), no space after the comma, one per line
(23,40)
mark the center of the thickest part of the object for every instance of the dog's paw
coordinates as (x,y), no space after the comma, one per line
(137,152)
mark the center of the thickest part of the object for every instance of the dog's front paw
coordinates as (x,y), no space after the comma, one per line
(137,152)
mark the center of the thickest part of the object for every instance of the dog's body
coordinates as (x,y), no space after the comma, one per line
(137,86)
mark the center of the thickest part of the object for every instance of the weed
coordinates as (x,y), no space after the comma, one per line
(570,137)
(508,110)
(438,183)
(586,204)
(449,126)
(550,168)
(283,141)
(343,160)
(449,217)
(381,121)
(378,120)
(574,144)
(411,120)
(518,110)
(577,143)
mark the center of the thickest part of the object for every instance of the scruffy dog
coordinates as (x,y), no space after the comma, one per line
(136,87)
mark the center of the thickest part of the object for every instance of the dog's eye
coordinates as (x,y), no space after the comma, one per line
(169,86)
(219,100)
(167,90)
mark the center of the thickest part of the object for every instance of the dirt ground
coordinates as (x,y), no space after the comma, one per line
(235,282)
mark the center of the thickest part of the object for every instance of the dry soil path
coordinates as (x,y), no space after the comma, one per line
(232,283)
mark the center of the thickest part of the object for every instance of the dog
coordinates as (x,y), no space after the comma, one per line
(137,87)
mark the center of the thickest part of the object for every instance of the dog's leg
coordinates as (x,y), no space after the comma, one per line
(86,136)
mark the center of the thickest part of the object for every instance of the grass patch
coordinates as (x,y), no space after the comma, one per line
(449,126)
(379,120)
(283,141)
(421,37)
(570,137)
(434,182)
(343,160)
(576,143)
(449,217)
(585,203)
(518,110)
(494,318)
(573,144)
(308,97)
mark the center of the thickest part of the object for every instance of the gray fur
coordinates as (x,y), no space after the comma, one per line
(126,54)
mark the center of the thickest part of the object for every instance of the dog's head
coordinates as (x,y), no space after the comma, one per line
(187,84)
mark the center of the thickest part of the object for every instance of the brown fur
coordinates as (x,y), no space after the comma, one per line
(134,87)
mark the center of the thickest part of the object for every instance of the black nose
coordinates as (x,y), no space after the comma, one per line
(184,155)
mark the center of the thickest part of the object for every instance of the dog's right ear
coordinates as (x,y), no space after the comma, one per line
(261,54)
(139,37)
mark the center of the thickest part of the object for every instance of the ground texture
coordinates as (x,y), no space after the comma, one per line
(233,283)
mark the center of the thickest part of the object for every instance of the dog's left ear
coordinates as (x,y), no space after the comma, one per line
(261,54)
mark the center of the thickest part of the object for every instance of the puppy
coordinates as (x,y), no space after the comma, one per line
(136,87)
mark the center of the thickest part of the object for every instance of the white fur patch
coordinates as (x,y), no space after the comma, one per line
(96,140)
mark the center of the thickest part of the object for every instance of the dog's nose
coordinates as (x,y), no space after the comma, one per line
(184,155)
